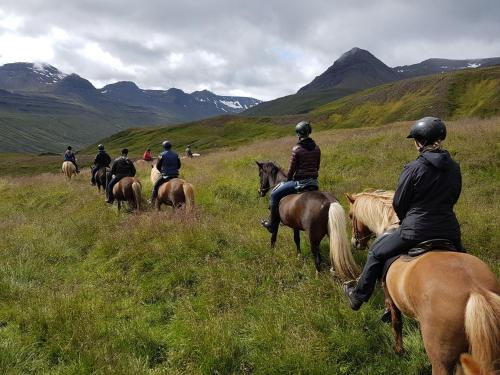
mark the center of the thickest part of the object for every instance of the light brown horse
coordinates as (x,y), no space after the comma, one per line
(318,214)
(69,169)
(176,193)
(454,296)
(128,189)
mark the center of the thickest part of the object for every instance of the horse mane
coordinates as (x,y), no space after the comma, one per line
(374,209)
(273,168)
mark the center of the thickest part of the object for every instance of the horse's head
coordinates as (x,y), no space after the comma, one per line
(361,234)
(268,175)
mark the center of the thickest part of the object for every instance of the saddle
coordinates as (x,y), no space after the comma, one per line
(310,184)
(439,244)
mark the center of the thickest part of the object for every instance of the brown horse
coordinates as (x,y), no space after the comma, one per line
(454,296)
(69,169)
(128,189)
(176,193)
(318,214)
(100,178)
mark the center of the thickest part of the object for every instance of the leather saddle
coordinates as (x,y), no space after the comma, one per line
(437,244)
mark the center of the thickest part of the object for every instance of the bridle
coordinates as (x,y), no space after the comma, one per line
(357,235)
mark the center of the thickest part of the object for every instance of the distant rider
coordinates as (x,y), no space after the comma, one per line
(69,155)
(428,189)
(303,172)
(189,153)
(122,167)
(147,155)
(168,164)
(102,160)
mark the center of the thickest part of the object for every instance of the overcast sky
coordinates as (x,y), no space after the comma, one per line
(259,48)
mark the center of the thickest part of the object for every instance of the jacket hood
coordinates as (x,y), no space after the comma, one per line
(439,159)
(307,143)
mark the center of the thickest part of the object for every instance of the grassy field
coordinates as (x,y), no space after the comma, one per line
(85,290)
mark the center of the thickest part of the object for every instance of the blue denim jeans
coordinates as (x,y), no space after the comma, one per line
(281,191)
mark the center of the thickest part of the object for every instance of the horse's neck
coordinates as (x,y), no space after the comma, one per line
(380,219)
(278,177)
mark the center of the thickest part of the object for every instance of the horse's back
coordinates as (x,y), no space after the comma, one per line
(123,188)
(306,209)
(435,278)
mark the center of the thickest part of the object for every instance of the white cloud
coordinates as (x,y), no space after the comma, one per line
(259,48)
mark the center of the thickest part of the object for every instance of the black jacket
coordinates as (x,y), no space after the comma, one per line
(428,189)
(305,160)
(102,159)
(123,167)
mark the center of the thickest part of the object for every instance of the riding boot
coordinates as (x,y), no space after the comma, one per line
(274,219)
(350,291)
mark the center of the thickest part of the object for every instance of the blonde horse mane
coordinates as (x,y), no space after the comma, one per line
(374,209)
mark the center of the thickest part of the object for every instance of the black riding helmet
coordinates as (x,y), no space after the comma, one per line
(167,145)
(428,130)
(100,147)
(303,129)
(69,148)
(125,151)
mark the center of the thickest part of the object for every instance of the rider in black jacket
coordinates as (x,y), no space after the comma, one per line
(102,160)
(428,189)
(122,167)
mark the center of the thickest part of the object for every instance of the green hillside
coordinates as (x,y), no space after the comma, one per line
(85,290)
(466,93)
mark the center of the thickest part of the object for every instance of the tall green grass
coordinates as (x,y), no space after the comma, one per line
(85,290)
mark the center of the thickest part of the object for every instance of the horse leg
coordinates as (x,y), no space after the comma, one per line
(441,365)
(296,238)
(315,250)
(119,206)
(396,322)
(273,238)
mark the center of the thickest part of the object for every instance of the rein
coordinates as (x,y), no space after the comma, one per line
(357,235)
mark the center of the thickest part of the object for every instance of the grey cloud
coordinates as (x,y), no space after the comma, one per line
(263,48)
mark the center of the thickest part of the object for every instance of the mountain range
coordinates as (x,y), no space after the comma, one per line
(44,109)
(356,70)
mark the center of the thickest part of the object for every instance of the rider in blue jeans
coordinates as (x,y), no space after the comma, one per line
(303,171)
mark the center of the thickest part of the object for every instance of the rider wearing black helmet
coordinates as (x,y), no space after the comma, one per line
(69,155)
(168,164)
(101,160)
(122,167)
(428,189)
(303,172)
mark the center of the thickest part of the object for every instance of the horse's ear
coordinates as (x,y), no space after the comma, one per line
(349,198)
(258,164)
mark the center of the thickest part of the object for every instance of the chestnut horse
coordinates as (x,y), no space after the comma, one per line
(69,169)
(128,189)
(176,193)
(454,296)
(318,214)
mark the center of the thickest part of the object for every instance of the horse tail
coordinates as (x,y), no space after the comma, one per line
(340,251)
(482,326)
(137,188)
(188,195)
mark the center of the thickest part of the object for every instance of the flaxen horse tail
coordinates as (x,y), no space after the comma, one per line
(482,326)
(188,195)
(340,250)
(137,189)
(68,168)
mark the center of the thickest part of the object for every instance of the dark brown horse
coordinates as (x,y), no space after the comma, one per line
(454,296)
(100,178)
(176,193)
(318,214)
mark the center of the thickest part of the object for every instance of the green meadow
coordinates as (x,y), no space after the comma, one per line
(87,290)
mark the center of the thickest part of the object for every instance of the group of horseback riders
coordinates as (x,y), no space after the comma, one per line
(168,163)
(427,190)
